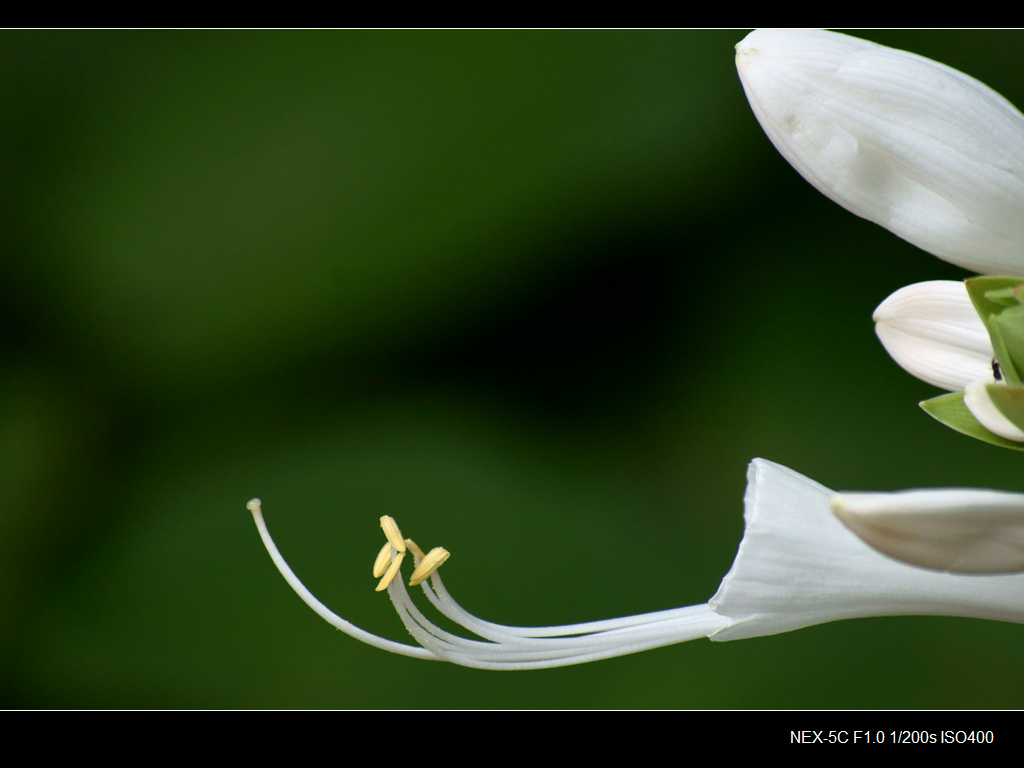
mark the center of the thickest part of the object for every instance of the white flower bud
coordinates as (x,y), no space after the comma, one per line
(949,529)
(933,331)
(929,153)
(980,404)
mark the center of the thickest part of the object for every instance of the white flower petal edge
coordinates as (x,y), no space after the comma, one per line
(933,331)
(951,529)
(797,565)
(929,153)
(978,402)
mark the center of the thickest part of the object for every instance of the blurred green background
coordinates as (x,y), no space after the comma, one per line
(540,296)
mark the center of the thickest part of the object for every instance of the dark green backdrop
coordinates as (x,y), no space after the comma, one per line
(540,296)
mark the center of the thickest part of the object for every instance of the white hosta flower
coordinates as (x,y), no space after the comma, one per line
(797,565)
(929,153)
(979,403)
(957,530)
(933,331)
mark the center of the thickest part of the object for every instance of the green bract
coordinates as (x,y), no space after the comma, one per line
(951,411)
(998,304)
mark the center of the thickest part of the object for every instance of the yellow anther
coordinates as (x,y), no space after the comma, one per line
(383,559)
(396,563)
(428,565)
(419,552)
(391,531)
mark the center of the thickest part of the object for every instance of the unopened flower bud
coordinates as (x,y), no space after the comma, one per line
(931,154)
(933,331)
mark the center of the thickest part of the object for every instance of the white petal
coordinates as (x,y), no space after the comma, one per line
(959,530)
(798,565)
(979,403)
(924,150)
(933,331)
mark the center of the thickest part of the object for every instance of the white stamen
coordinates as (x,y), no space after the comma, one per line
(319,608)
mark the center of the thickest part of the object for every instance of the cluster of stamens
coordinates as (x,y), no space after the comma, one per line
(500,646)
(389,560)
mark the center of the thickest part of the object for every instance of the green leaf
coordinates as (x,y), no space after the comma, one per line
(1009,401)
(992,297)
(951,411)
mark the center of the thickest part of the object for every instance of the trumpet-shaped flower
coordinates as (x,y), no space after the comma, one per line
(797,565)
(933,331)
(929,153)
